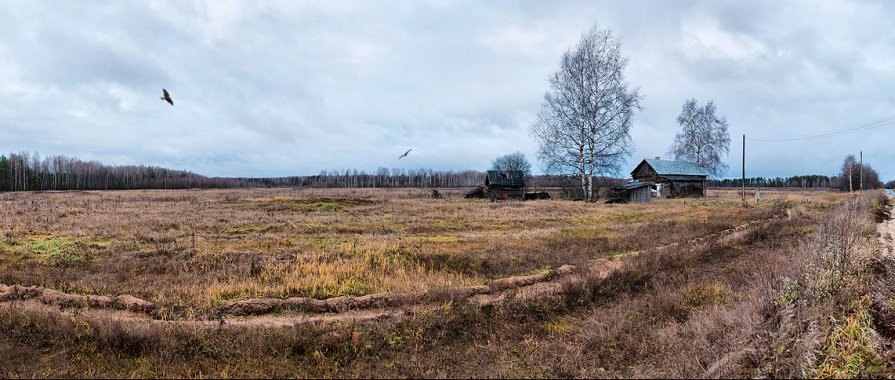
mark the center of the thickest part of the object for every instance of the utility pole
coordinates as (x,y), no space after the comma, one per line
(744,168)
(862,170)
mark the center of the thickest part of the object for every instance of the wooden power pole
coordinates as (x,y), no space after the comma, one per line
(744,168)
(862,170)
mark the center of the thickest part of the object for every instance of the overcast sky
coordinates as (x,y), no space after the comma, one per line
(292,88)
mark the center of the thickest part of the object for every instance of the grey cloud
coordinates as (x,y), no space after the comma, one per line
(284,88)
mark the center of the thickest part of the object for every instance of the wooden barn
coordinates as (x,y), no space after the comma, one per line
(672,179)
(505,184)
(633,192)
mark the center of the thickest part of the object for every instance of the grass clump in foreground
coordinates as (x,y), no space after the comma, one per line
(850,346)
(831,306)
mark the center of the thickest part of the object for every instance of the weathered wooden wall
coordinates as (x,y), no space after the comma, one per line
(639,195)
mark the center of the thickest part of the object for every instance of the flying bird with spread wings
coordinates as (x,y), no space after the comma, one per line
(166,97)
(405,153)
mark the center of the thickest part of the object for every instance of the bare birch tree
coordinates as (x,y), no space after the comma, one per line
(703,138)
(583,127)
(848,170)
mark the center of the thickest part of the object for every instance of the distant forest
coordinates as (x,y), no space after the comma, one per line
(806,181)
(27,172)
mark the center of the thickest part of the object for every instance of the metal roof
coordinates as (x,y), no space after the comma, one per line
(672,177)
(509,178)
(632,185)
(665,168)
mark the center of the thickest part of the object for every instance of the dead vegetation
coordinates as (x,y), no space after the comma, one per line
(192,251)
(803,295)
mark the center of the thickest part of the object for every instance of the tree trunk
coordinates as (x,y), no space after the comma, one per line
(850,178)
(584,186)
(590,188)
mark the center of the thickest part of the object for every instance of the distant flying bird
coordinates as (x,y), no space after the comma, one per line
(405,153)
(166,97)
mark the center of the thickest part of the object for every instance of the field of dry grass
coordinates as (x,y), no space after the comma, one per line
(190,251)
(800,294)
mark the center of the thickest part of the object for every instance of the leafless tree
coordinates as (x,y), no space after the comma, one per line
(848,170)
(583,127)
(849,175)
(512,161)
(703,138)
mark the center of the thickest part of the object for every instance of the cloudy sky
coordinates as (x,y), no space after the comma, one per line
(291,88)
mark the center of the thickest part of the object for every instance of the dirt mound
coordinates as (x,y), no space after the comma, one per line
(57,298)
(492,293)
(131,303)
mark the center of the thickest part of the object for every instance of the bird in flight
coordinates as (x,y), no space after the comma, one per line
(405,153)
(166,97)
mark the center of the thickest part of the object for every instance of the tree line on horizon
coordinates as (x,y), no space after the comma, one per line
(29,172)
(25,171)
(803,181)
(381,178)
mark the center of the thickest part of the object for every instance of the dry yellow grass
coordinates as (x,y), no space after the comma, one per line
(758,304)
(190,251)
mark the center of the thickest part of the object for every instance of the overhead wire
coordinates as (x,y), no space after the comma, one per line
(864,127)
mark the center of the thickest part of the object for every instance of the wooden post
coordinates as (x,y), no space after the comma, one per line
(744,168)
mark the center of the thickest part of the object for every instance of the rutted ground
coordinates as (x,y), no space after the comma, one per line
(297,310)
(886,230)
(192,252)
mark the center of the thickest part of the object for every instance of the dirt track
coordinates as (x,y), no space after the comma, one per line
(886,231)
(273,312)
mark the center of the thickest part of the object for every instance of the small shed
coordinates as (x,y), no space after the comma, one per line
(634,192)
(672,178)
(505,184)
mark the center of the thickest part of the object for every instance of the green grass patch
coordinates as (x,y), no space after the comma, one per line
(559,326)
(323,242)
(319,205)
(848,347)
(63,250)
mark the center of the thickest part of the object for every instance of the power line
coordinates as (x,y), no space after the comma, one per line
(864,127)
